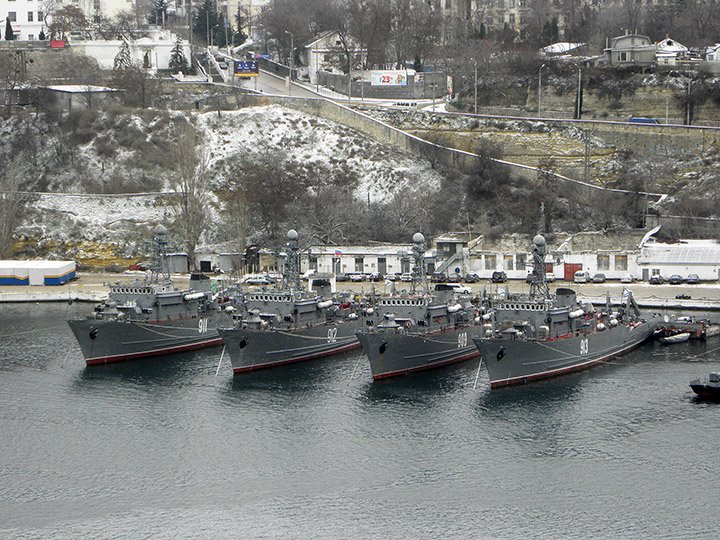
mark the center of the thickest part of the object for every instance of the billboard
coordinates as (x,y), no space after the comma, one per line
(388,78)
(246,69)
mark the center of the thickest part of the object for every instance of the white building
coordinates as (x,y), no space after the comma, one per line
(29,17)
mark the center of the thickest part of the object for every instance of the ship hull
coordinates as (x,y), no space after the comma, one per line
(512,362)
(251,349)
(392,354)
(104,342)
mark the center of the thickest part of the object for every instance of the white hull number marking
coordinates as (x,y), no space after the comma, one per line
(332,335)
(584,346)
(202,326)
(462,340)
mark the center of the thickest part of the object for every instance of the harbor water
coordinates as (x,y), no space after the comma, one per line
(174,447)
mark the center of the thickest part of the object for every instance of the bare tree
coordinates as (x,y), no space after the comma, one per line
(11,75)
(12,201)
(191,200)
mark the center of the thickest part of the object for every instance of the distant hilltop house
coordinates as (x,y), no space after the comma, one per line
(638,50)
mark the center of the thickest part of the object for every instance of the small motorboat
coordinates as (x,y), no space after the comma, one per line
(708,388)
(679,337)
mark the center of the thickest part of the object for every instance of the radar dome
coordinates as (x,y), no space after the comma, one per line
(292,234)
(160,229)
(539,240)
(418,238)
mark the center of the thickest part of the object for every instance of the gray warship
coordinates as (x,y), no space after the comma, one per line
(151,317)
(420,330)
(538,335)
(289,324)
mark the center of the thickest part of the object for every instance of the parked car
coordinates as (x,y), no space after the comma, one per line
(675,279)
(692,279)
(626,278)
(457,287)
(598,278)
(342,277)
(393,277)
(438,277)
(407,276)
(357,276)
(454,278)
(375,276)
(582,276)
(656,279)
(472,278)
(550,277)
(498,277)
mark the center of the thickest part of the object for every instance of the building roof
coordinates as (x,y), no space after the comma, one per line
(79,88)
(684,252)
(562,47)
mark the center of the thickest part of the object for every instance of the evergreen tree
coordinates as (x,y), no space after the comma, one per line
(9,34)
(204,18)
(178,62)
(417,64)
(158,13)
(239,37)
(123,60)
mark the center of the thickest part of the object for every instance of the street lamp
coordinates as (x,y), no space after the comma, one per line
(578,105)
(292,59)
(212,34)
(540,87)
(475,62)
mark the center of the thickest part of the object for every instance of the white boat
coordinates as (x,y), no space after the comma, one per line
(680,337)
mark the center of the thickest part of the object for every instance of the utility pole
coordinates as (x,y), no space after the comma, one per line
(540,87)
(475,62)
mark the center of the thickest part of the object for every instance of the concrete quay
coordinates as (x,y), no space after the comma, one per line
(94,287)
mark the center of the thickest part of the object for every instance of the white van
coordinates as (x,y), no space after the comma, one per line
(582,276)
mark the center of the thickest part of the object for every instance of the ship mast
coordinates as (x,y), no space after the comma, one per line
(538,285)
(292,268)
(160,266)
(419,271)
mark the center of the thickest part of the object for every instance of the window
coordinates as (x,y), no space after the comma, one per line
(511,19)
(620,262)
(622,57)
(511,3)
(359,264)
(448,4)
(603,262)
(96,5)
(40,16)
(12,16)
(312,262)
(508,262)
(490,262)
(30,16)
(31,37)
